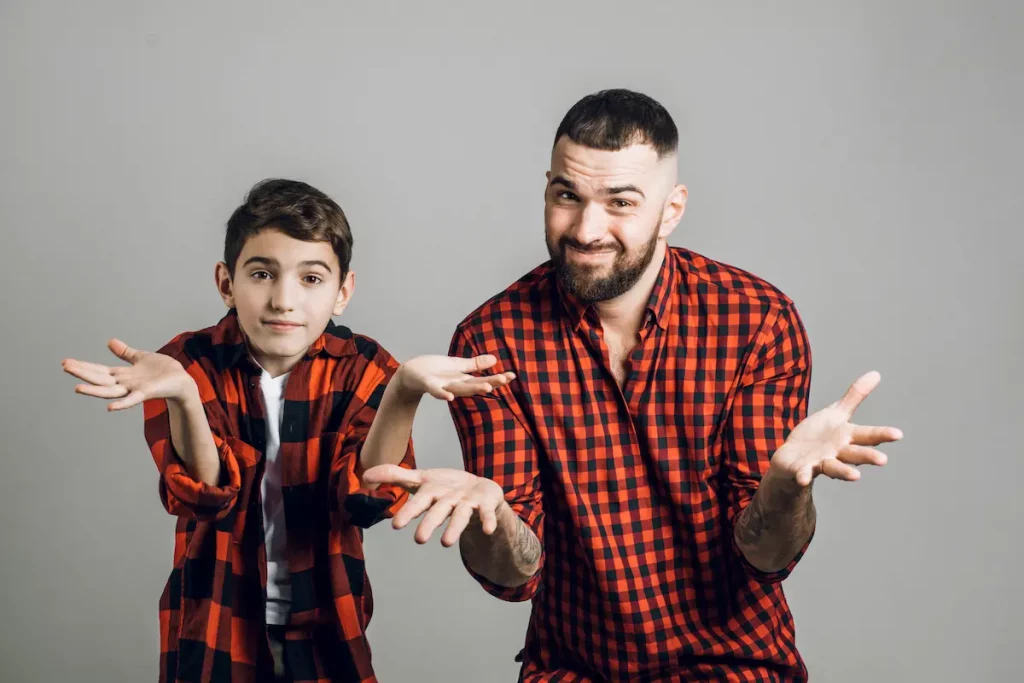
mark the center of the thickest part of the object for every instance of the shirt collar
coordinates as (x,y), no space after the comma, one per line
(230,344)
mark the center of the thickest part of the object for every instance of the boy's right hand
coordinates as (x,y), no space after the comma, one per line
(149,375)
(446,377)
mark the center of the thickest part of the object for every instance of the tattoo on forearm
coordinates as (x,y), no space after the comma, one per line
(753,523)
(527,545)
(508,557)
(772,529)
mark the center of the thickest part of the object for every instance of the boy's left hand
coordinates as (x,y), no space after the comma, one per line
(447,377)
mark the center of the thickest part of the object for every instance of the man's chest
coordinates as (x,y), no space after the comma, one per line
(612,420)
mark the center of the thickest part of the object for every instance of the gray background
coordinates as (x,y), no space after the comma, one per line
(864,157)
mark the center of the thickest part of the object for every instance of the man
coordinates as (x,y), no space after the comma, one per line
(645,480)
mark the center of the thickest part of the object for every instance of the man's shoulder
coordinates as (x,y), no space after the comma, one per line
(526,302)
(719,278)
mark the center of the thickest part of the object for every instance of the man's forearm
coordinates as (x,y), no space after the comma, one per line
(192,438)
(509,557)
(776,524)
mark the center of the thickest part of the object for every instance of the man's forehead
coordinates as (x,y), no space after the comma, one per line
(636,161)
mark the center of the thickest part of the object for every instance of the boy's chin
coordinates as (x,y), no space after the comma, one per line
(279,350)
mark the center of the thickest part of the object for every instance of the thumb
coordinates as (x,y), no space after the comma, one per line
(123,351)
(478,363)
(393,474)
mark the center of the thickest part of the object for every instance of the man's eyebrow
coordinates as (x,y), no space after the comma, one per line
(622,189)
(564,182)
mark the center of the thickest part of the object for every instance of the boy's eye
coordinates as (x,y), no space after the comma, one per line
(313,279)
(260,275)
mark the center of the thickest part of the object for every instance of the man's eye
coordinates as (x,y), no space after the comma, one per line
(567,195)
(621,203)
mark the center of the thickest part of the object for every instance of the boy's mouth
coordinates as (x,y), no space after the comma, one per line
(282,325)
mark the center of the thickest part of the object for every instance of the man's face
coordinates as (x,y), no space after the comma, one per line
(605,214)
(285,291)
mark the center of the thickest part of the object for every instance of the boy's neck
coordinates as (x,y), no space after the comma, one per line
(276,366)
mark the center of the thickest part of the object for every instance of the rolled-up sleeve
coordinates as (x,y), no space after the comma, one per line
(181,494)
(496,446)
(770,401)
(357,504)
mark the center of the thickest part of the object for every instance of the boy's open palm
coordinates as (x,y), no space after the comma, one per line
(448,377)
(148,375)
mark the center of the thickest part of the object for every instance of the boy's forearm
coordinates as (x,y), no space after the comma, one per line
(509,557)
(192,438)
(388,438)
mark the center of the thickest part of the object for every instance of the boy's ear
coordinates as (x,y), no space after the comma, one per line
(348,286)
(222,276)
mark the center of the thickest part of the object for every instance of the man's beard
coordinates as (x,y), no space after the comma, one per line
(583,282)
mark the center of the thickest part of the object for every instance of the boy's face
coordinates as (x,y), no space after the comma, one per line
(285,291)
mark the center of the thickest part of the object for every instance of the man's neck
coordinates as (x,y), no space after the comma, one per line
(623,315)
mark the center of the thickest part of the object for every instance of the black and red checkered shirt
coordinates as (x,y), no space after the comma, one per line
(213,609)
(633,492)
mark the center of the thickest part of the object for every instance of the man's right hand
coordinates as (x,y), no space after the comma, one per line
(148,375)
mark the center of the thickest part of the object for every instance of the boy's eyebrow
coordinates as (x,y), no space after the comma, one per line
(322,264)
(267,261)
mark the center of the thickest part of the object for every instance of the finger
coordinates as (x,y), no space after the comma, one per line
(434,517)
(460,519)
(477,363)
(805,476)
(90,372)
(862,455)
(440,392)
(499,380)
(124,352)
(115,391)
(420,503)
(834,469)
(410,480)
(488,519)
(872,436)
(469,388)
(858,391)
(132,399)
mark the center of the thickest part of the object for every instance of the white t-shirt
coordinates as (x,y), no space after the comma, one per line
(279,588)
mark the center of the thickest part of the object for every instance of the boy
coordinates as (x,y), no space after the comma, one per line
(261,427)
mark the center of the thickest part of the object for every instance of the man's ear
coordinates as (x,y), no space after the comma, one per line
(675,207)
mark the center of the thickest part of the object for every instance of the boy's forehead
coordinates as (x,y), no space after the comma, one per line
(273,245)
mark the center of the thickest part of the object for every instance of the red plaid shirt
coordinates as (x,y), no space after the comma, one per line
(213,609)
(634,492)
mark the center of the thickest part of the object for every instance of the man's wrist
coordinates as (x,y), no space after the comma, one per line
(779,482)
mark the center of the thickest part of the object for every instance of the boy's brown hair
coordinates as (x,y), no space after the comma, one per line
(296,209)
